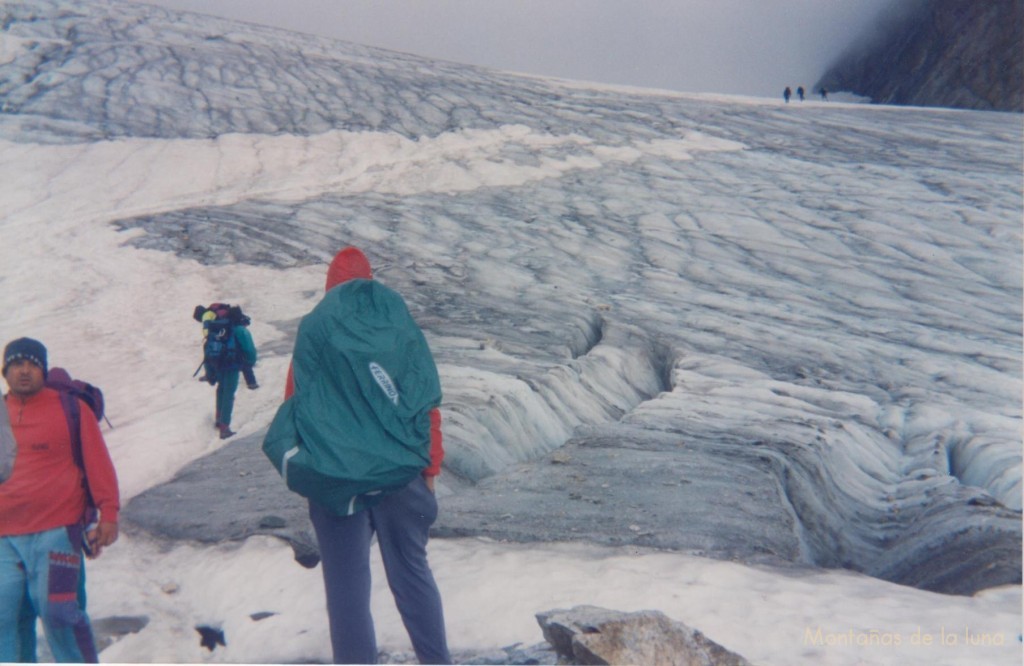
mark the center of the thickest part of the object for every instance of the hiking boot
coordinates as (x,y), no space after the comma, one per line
(253,386)
(225,431)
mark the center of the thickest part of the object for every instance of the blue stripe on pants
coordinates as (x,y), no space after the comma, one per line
(46,568)
(402,523)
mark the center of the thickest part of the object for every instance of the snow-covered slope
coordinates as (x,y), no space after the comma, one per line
(803,320)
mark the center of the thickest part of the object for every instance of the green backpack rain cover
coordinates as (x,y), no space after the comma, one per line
(358,423)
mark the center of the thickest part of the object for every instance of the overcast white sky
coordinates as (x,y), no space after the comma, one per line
(747,47)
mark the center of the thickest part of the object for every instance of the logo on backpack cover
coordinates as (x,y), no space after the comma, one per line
(384,382)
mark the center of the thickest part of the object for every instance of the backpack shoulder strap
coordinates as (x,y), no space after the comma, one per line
(73,416)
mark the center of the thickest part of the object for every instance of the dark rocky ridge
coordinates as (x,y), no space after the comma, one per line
(956,53)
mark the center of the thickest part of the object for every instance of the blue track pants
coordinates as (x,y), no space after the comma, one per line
(43,571)
(401,521)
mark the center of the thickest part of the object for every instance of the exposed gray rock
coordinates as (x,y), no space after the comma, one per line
(512,655)
(542,653)
(109,630)
(230,495)
(592,635)
(659,500)
(106,631)
(958,53)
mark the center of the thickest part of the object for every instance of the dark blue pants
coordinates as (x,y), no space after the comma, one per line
(401,521)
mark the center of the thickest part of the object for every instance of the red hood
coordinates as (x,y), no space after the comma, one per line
(349,264)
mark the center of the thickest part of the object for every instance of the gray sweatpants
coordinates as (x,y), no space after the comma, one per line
(401,521)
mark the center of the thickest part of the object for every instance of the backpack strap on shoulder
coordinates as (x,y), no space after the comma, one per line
(73,416)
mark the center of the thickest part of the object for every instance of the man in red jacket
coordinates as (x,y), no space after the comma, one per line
(42,506)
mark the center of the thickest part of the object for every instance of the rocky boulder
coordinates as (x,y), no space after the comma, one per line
(955,53)
(592,635)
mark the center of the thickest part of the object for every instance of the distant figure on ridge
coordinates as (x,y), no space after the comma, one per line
(800,93)
(786,94)
(824,95)
(228,349)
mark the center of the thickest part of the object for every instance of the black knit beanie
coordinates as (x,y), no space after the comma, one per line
(26,348)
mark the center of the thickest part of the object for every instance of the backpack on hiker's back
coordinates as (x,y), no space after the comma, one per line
(220,347)
(358,425)
(71,391)
(60,380)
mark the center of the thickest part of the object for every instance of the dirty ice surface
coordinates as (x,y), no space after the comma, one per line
(744,268)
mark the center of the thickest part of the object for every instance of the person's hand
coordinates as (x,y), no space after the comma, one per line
(430,482)
(100,537)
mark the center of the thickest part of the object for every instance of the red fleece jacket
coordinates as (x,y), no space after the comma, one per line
(45,489)
(352,264)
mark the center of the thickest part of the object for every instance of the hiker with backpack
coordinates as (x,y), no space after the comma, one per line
(359,435)
(228,350)
(219,316)
(60,501)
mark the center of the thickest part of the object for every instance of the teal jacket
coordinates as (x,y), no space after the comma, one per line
(243,338)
